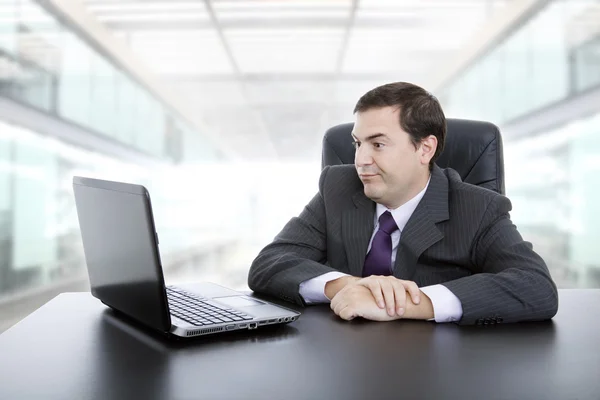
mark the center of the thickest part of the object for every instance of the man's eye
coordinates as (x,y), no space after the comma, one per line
(378,145)
(356,144)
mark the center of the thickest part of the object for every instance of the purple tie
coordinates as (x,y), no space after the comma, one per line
(379,258)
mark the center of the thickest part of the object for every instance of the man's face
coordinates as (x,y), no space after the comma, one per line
(388,164)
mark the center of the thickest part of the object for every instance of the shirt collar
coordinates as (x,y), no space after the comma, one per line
(403,213)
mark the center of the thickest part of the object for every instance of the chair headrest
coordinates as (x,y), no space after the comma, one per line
(472,148)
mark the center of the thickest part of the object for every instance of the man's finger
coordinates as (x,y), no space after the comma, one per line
(375,287)
(347,313)
(400,296)
(413,289)
(337,308)
(388,295)
(340,305)
(332,304)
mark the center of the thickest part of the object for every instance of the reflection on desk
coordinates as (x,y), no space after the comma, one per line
(74,347)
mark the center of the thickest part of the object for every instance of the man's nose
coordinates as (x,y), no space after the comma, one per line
(362,156)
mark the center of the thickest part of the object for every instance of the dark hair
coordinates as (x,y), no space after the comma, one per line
(420,112)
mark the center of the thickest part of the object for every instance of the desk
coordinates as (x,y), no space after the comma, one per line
(75,348)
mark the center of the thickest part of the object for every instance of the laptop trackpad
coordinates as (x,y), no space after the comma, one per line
(252,307)
(238,301)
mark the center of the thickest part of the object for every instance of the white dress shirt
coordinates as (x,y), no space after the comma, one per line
(446,306)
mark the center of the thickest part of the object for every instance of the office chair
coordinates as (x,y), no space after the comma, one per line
(473,149)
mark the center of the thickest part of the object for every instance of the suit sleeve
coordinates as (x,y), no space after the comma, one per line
(514,283)
(297,253)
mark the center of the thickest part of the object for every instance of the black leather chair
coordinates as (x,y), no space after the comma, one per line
(473,149)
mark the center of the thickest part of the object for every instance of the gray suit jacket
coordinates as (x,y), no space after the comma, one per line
(460,235)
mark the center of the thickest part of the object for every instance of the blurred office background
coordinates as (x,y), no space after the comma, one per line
(219,108)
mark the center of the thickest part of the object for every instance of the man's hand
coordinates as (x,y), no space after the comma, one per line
(357,301)
(390,293)
(333,287)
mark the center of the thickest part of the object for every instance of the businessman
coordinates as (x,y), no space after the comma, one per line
(395,236)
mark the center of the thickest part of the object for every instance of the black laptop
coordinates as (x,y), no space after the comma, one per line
(123,261)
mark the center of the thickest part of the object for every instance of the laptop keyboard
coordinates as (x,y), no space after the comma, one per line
(196,310)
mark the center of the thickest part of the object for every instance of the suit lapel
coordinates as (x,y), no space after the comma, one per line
(357,228)
(421,231)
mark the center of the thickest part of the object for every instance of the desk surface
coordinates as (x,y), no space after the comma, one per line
(75,348)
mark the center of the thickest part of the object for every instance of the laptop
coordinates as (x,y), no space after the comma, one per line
(124,267)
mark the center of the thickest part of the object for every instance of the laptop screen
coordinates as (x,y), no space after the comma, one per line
(120,247)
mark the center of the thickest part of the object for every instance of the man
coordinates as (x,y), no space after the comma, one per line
(395,236)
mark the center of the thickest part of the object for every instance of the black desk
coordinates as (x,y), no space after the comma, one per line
(75,348)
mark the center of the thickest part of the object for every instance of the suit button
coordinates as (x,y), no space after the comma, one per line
(486,321)
(480,321)
(499,319)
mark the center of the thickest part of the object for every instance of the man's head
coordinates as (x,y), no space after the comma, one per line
(399,132)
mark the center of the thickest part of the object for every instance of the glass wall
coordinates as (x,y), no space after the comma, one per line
(40,243)
(47,66)
(554,202)
(586,61)
(212,216)
(551,175)
(551,57)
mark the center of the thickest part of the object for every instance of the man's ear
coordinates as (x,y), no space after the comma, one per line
(427,149)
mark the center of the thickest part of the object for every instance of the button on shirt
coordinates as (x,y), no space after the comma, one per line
(446,306)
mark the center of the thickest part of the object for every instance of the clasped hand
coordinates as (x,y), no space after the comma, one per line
(378,298)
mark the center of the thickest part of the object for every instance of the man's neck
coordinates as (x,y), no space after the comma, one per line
(414,191)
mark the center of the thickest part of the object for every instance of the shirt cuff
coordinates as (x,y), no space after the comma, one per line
(313,290)
(446,306)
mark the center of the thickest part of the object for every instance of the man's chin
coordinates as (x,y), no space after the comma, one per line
(372,193)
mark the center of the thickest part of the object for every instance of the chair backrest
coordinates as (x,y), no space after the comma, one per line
(472,148)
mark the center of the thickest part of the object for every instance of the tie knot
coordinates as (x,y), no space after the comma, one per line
(387,223)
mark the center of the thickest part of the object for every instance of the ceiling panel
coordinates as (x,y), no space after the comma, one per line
(209,95)
(285,50)
(281,6)
(181,52)
(148,10)
(289,92)
(271,75)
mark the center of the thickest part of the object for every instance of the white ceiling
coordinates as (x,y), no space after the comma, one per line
(271,75)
